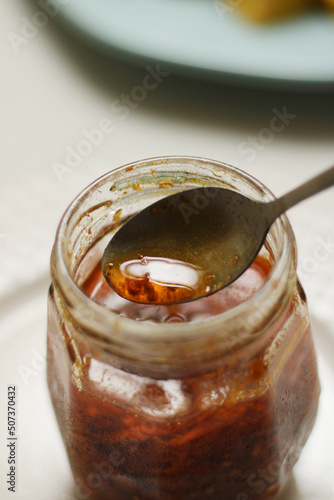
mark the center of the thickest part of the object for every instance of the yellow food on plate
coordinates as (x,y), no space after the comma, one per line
(329,3)
(270,10)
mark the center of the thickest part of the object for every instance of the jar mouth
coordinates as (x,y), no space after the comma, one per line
(100,321)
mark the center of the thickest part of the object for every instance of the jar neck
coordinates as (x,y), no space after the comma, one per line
(165,349)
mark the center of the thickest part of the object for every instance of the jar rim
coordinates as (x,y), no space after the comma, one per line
(98,316)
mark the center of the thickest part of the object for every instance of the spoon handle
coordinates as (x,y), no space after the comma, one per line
(309,188)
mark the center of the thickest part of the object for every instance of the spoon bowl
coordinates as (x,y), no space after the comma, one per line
(194,243)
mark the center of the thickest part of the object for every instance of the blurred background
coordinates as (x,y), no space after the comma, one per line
(90,86)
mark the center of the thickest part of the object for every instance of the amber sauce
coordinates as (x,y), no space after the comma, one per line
(154,280)
(160,279)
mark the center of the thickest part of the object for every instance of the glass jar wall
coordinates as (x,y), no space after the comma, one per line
(212,399)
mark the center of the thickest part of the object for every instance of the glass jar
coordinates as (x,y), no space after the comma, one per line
(217,408)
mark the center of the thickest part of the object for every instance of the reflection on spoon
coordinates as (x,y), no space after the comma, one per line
(157,280)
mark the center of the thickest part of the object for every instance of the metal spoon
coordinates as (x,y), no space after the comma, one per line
(194,243)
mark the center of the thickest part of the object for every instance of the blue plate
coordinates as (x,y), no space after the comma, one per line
(203,38)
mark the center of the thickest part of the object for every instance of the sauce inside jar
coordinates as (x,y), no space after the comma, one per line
(203,436)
